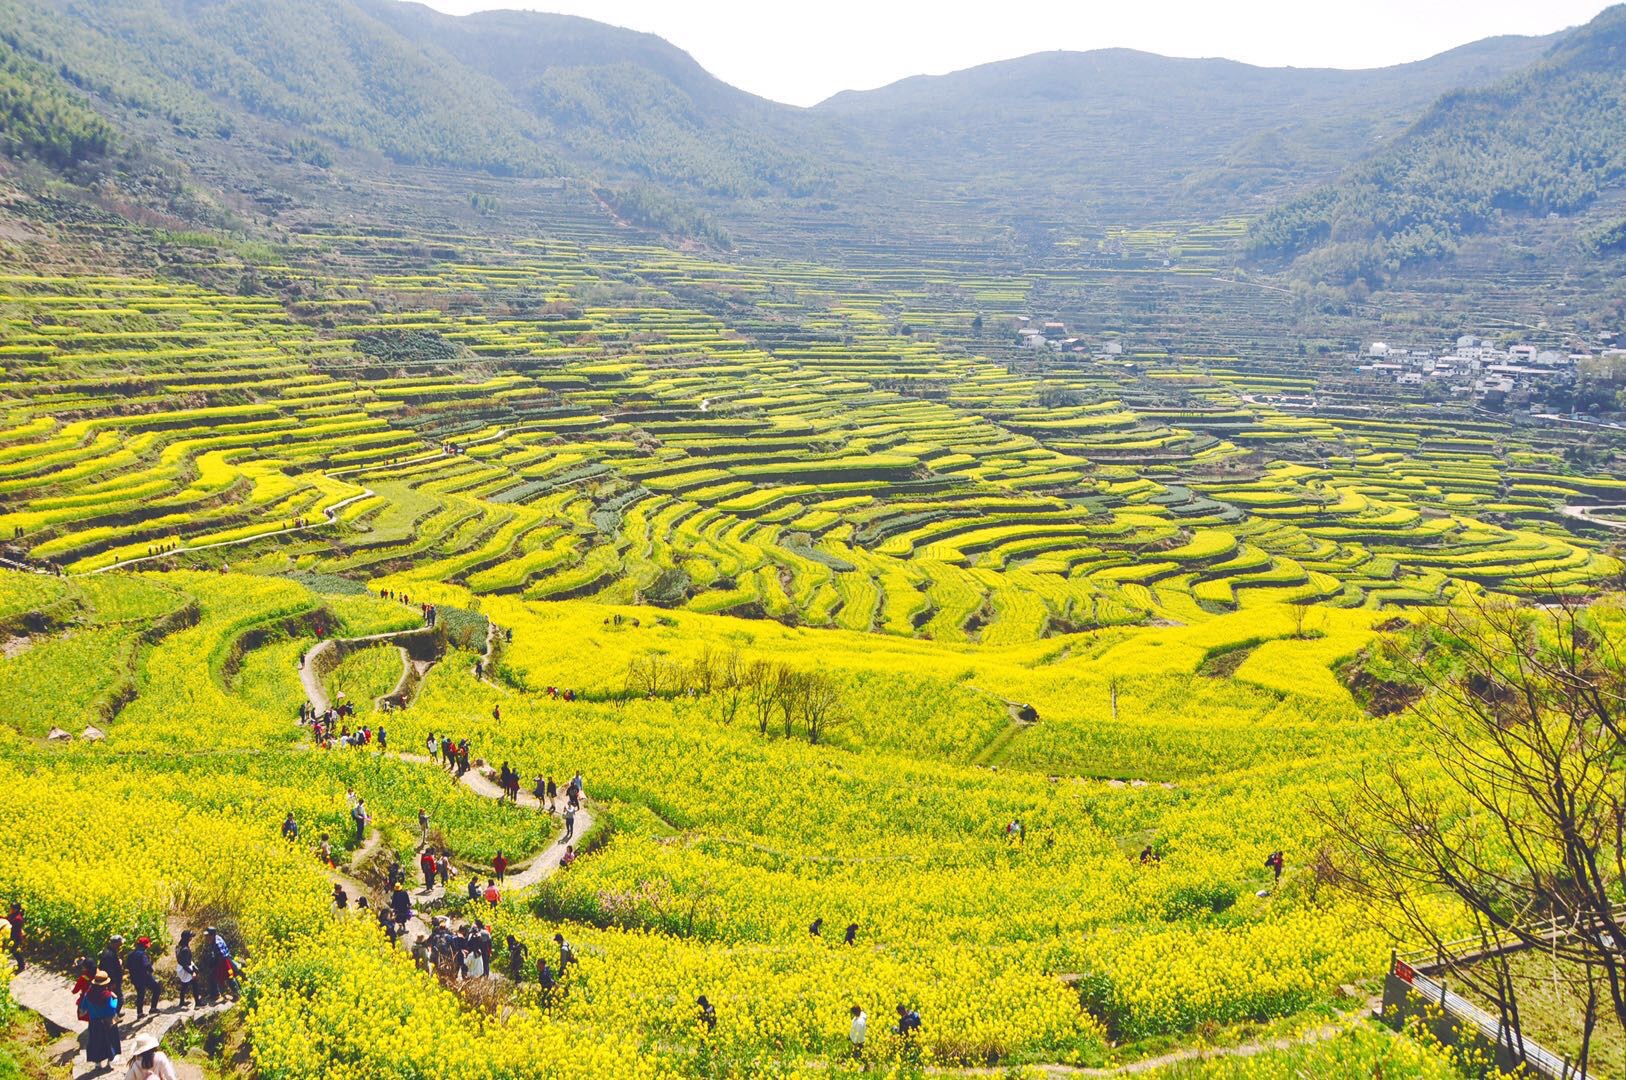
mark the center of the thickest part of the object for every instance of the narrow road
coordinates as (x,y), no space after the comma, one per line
(521,875)
(329,517)
(51,996)
(1585,513)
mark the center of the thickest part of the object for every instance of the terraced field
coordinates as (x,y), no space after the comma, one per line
(809,462)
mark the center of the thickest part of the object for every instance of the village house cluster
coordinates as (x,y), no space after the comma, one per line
(1053,335)
(1476,367)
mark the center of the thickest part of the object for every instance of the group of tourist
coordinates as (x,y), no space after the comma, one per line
(204,977)
(453,753)
(327,732)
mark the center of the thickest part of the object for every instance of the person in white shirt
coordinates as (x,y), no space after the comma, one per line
(147,1062)
(859,1030)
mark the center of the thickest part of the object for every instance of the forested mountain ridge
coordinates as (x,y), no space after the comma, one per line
(320,68)
(1547,140)
(1129,129)
(1116,134)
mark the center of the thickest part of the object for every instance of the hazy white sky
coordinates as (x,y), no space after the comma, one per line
(803,52)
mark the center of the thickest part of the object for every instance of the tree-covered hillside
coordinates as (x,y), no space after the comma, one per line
(1114,134)
(322,67)
(1546,140)
(42,118)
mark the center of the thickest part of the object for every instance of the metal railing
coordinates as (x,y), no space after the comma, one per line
(1488,1027)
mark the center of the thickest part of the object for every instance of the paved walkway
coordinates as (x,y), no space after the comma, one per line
(51,996)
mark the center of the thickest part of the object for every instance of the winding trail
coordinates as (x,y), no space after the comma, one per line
(50,994)
(330,516)
(522,874)
(1320,1033)
(1588,515)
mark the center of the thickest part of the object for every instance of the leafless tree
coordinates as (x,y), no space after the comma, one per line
(820,704)
(1516,808)
(731,685)
(762,691)
(788,684)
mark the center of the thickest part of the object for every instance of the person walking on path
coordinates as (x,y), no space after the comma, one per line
(443,864)
(341,899)
(223,969)
(360,816)
(423,825)
(426,863)
(142,980)
(147,1062)
(576,792)
(570,823)
(401,905)
(500,866)
(186,971)
(100,1007)
(14,926)
(553,795)
(858,1033)
(112,965)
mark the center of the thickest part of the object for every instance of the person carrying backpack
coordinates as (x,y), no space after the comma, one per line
(567,954)
(908,1022)
(100,1007)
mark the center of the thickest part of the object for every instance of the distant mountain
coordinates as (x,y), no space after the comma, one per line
(1143,135)
(626,101)
(1115,135)
(1548,140)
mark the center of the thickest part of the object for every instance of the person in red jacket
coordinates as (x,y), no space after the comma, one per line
(500,865)
(427,865)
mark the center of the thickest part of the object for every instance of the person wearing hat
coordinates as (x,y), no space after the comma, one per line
(139,965)
(100,1007)
(186,971)
(147,1062)
(112,963)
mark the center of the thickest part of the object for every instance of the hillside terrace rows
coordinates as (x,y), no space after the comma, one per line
(820,468)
